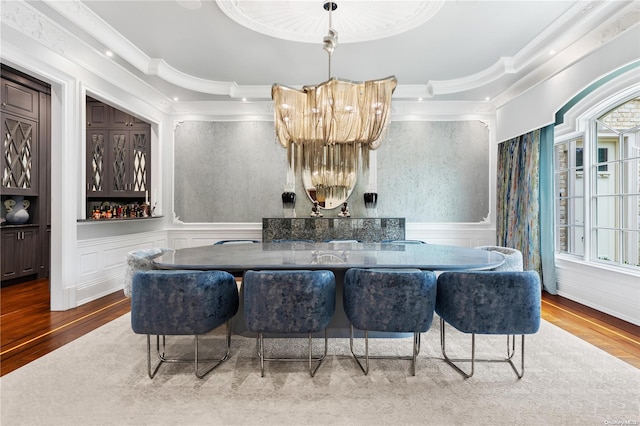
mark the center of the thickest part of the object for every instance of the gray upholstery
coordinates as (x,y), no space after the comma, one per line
(512,258)
(139,260)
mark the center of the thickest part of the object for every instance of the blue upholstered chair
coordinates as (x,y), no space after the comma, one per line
(236,242)
(389,300)
(512,258)
(182,303)
(289,302)
(489,302)
(139,260)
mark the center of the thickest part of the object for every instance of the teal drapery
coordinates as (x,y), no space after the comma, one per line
(524,216)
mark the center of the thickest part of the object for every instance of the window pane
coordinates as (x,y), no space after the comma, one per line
(570,239)
(607,209)
(561,158)
(631,212)
(607,245)
(631,144)
(562,184)
(631,172)
(631,244)
(569,190)
(562,239)
(608,182)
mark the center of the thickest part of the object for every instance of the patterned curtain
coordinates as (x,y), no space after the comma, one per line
(525,205)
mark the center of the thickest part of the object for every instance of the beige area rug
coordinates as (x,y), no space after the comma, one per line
(100,379)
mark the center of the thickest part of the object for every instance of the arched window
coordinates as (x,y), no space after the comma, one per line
(597,188)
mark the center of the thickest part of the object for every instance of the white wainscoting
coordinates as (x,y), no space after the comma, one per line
(101,262)
(455,234)
(203,234)
(610,290)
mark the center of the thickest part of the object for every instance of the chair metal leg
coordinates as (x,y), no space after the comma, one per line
(416,350)
(261,353)
(218,361)
(160,355)
(310,359)
(365,367)
(162,358)
(509,359)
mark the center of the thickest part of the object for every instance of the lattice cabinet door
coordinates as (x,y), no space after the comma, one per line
(119,162)
(19,163)
(97,170)
(140,161)
(129,162)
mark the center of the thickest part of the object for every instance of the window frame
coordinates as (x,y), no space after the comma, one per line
(598,163)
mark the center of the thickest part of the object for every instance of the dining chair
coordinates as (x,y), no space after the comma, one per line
(139,260)
(285,302)
(172,303)
(489,302)
(389,300)
(512,258)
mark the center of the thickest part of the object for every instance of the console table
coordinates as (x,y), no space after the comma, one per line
(319,229)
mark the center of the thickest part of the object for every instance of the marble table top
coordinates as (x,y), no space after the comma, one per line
(332,256)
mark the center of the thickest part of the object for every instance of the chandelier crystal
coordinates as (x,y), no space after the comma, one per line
(334,123)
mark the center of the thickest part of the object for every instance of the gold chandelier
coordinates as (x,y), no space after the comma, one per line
(334,123)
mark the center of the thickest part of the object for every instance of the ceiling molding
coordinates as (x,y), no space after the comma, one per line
(308,22)
(581,18)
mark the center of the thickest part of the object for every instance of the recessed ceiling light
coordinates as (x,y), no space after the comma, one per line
(552,52)
(109,53)
(175,98)
(487,98)
(244,99)
(420,99)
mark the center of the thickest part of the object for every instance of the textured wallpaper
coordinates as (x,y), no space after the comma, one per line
(427,172)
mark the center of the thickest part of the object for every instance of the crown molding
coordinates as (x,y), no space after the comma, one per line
(581,18)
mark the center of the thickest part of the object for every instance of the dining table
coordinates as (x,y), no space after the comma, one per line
(338,257)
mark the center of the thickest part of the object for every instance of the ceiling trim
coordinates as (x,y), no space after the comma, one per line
(581,18)
(308,22)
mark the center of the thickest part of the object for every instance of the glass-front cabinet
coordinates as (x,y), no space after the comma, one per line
(24,190)
(20,108)
(118,157)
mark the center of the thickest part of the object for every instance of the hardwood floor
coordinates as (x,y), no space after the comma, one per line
(29,330)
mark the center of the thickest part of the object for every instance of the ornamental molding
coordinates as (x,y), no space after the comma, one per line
(25,19)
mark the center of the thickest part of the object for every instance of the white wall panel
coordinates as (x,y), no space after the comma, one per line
(101,265)
(614,291)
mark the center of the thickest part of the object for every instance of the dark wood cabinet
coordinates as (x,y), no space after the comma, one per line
(123,120)
(18,99)
(20,249)
(118,155)
(25,113)
(97,114)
